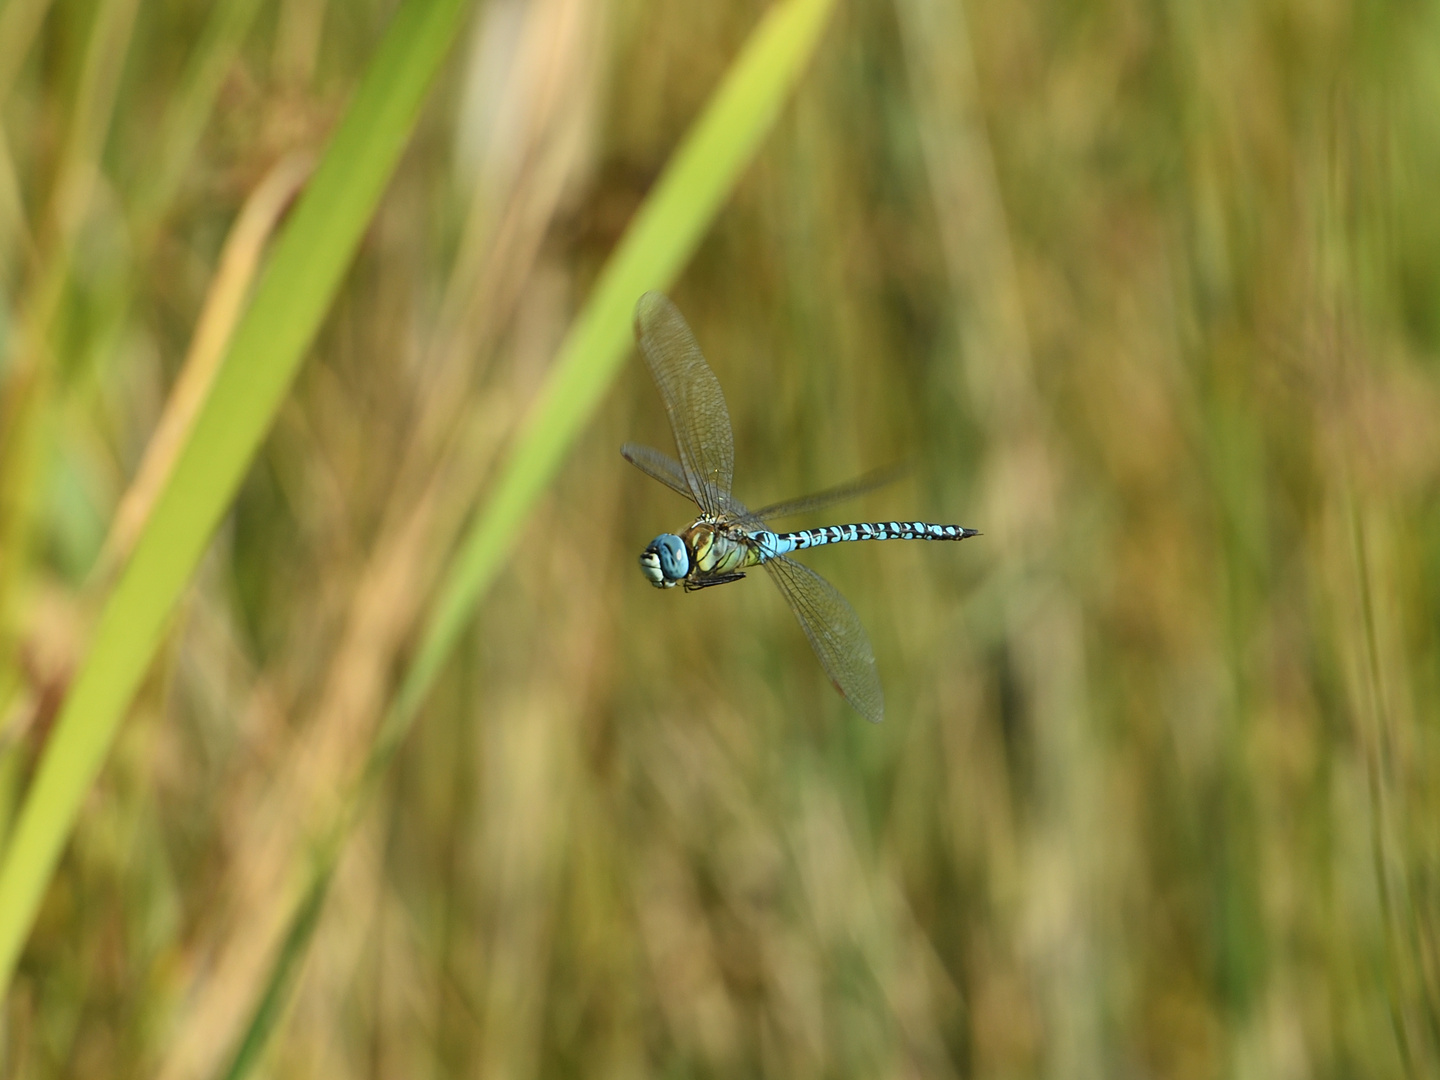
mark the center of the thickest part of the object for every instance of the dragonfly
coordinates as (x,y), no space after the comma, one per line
(726,538)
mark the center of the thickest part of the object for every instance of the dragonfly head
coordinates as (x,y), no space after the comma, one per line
(665,562)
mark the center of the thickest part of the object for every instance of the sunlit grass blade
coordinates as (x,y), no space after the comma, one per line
(661,238)
(657,244)
(290,302)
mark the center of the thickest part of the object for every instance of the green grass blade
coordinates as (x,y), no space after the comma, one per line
(662,236)
(291,300)
(271,1005)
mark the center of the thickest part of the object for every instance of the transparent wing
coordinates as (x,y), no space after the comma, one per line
(660,466)
(830,496)
(693,401)
(835,634)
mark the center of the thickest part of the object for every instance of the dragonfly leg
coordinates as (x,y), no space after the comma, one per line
(691,584)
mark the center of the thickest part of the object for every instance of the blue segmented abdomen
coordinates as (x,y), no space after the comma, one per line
(774,544)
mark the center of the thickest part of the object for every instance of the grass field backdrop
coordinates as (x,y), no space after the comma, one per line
(340,734)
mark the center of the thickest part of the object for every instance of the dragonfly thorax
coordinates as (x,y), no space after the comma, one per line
(709,552)
(665,562)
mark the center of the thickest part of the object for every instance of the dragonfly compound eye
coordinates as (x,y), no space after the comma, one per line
(665,562)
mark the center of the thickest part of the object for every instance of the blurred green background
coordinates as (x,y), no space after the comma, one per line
(1147,292)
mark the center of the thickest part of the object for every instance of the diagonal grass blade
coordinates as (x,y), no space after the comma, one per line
(659,241)
(290,302)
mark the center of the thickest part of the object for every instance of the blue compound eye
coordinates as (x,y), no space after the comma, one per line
(665,561)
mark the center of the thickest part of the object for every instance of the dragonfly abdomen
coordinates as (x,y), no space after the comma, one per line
(773,544)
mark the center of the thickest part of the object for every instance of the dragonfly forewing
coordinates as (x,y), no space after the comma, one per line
(835,634)
(693,401)
(661,466)
(658,466)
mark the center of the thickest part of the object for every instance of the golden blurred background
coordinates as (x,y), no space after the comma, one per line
(1147,292)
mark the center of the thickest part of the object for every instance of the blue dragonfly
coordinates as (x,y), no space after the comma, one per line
(727,538)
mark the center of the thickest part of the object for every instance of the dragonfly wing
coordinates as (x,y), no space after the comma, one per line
(661,466)
(835,634)
(658,466)
(693,401)
(851,489)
